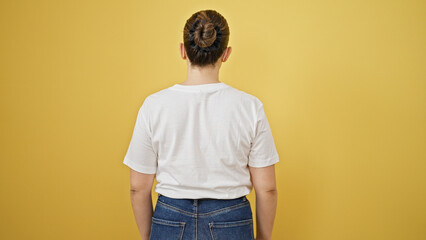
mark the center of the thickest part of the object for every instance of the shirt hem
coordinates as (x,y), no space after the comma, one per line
(139,168)
(184,196)
(258,164)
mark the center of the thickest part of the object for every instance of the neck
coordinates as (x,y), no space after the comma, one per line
(203,75)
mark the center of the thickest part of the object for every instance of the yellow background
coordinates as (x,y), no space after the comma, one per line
(343,84)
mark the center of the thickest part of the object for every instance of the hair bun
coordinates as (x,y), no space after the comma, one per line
(204,33)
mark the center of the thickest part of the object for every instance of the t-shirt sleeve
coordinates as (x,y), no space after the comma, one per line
(140,155)
(263,152)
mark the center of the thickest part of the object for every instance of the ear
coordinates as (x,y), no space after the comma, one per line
(226,53)
(182,51)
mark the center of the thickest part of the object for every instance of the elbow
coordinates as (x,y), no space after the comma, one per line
(269,191)
(140,183)
(139,190)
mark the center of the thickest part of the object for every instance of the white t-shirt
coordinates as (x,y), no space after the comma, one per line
(200,139)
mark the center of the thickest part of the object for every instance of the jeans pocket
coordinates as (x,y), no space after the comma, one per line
(166,229)
(233,230)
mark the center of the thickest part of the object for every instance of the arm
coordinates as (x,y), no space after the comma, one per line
(140,195)
(263,179)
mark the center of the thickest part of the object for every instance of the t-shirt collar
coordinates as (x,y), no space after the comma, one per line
(199,87)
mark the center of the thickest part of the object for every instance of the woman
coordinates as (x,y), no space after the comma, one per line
(208,144)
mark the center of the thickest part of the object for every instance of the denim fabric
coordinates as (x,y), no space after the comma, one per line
(202,219)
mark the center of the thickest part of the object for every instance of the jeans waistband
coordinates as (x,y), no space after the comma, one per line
(203,208)
(205,201)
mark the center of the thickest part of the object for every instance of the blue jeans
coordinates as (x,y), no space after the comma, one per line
(202,219)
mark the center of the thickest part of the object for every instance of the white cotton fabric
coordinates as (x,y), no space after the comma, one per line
(200,139)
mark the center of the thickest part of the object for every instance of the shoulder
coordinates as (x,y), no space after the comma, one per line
(156,97)
(246,98)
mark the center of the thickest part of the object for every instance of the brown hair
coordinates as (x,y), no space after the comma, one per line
(205,37)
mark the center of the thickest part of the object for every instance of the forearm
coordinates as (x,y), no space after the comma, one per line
(266,205)
(142,210)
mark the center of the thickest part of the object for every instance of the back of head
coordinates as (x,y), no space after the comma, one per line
(205,37)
